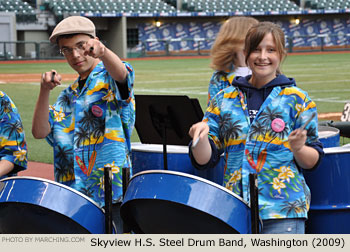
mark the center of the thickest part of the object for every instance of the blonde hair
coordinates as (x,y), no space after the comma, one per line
(229,41)
(257,33)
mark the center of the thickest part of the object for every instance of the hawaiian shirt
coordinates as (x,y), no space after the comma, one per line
(218,81)
(257,148)
(13,146)
(90,130)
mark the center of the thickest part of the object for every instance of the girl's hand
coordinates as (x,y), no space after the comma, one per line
(304,155)
(201,149)
(199,130)
(297,140)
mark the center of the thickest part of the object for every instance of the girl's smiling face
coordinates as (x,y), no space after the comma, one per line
(264,61)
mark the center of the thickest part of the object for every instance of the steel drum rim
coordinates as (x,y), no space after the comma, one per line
(57,184)
(192,177)
(158,148)
(171,149)
(329,128)
(336,150)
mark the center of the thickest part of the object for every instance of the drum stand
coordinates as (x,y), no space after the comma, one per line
(254,202)
(125,180)
(108,200)
(108,197)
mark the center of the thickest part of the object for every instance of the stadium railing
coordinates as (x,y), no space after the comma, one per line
(25,50)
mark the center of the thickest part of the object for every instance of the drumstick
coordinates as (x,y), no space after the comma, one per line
(308,121)
(53,76)
(195,142)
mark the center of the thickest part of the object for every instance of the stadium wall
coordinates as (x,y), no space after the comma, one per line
(8,32)
(177,35)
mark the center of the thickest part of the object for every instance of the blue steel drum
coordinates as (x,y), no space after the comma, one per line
(169,202)
(31,205)
(328,136)
(330,193)
(150,157)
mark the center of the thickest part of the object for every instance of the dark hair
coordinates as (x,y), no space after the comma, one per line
(257,33)
(70,36)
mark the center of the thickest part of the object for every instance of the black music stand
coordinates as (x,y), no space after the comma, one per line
(166,119)
(254,202)
(107,172)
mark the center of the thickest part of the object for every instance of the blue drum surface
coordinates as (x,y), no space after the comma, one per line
(166,202)
(32,205)
(330,193)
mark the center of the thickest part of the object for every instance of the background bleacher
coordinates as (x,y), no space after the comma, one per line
(328,4)
(59,7)
(238,5)
(191,27)
(25,13)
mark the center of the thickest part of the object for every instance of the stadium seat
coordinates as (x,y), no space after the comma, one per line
(24,12)
(327,4)
(237,5)
(109,6)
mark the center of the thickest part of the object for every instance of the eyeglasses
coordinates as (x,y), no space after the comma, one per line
(66,51)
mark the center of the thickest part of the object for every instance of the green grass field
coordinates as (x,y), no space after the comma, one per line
(326,77)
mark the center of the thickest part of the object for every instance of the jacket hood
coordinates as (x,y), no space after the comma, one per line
(280,80)
(256,96)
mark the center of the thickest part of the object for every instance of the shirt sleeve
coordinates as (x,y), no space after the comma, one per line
(212,118)
(319,147)
(125,91)
(49,138)
(214,159)
(218,81)
(13,144)
(126,101)
(309,107)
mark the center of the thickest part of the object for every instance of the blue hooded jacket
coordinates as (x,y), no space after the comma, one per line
(256,96)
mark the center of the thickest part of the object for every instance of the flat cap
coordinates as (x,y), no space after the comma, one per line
(71,25)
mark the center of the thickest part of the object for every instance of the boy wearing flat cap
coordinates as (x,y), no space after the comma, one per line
(90,125)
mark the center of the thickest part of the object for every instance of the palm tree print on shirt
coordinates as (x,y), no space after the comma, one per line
(6,106)
(65,100)
(15,128)
(92,129)
(64,170)
(228,128)
(80,136)
(294,208)
(89,122)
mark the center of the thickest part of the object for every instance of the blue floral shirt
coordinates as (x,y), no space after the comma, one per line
(253,147)
(91,129)
(218,81)
(223,79)
(13,146)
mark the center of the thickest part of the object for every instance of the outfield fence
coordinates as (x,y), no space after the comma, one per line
(25,50)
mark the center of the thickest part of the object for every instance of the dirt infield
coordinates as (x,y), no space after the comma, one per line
(40,170)
(30,78)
